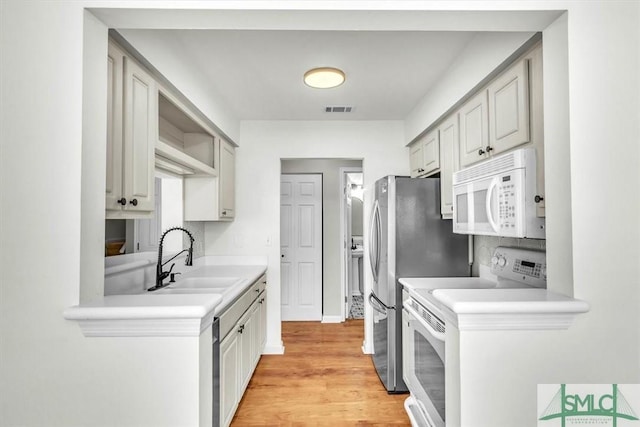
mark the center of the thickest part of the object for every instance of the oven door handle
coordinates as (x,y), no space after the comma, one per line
(376,303)
(415,316)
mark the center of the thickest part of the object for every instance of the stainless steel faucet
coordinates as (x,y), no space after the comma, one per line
(161,275)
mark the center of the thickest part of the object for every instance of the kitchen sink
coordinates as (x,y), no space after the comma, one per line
(206,282)
(201,285)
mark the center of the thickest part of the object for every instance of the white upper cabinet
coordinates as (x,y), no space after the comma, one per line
(425,155)
(227,179)
(509,108)
(132,130)
(503,115)
(115,89)
(449,163)
(415,159)
(212,198)
(474,129)
(140,136)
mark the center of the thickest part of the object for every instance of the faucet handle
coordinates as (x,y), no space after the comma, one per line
(165,274)
(173,277)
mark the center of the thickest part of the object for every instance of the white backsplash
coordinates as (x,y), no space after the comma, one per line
(484,246)
(196,228)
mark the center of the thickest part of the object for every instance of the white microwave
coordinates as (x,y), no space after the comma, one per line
(498,197)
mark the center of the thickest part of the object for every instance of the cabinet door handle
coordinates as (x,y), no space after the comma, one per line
(134,202)
(241,328)
(122,201)
(224,213)
(538,198)
(489,148)
(481,152)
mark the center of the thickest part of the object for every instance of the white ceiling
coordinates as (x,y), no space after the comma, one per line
(253,54)
(258,73)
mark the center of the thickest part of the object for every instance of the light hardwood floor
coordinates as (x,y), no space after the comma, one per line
(323,379)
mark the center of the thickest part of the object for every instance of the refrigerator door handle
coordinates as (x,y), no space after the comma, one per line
(375,230)
(373,297)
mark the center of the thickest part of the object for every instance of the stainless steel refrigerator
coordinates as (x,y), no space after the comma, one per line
(407,238)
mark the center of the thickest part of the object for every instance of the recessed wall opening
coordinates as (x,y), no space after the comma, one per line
(334,242)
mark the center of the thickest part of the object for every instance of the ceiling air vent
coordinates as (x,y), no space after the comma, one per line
(338,109)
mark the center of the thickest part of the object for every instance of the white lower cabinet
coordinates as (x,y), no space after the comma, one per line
(228,378)
(240,351)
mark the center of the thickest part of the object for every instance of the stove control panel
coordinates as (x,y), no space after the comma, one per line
(520,265)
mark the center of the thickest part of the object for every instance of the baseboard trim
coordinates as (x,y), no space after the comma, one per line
(366,348)
(331,319)
(273,349)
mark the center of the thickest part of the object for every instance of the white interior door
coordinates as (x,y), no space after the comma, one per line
(301,246)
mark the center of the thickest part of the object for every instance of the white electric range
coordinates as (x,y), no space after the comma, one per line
(423,326)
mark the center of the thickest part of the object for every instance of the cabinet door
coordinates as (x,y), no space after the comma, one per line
(263,322)
(509,108)
(474,132)
(449,163)
(431,153)
(229,378)
(227,180)
(246,346)
(140,135)
(415,159)
(115,71)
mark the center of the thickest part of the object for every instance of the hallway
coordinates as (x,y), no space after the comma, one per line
(323,379)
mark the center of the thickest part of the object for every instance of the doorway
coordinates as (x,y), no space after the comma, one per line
(301,246)
(332,237)
(353,248)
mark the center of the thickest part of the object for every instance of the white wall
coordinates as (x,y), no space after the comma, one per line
(41,139)
(264,144)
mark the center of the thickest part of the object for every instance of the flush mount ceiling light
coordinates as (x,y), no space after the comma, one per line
(324,78)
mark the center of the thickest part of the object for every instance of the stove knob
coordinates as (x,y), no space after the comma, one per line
(494,260)
(502,262)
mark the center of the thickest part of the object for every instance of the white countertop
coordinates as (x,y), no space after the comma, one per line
(168,314)
(473,303)
(145,306)
(527,300)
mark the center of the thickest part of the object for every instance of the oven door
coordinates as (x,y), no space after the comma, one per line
(475,207)
(423,360)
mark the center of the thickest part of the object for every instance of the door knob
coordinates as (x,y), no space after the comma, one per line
(489,148)
(481,152)
(122,201)
(134,202)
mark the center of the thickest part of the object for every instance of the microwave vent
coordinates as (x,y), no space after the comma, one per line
(513,160)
